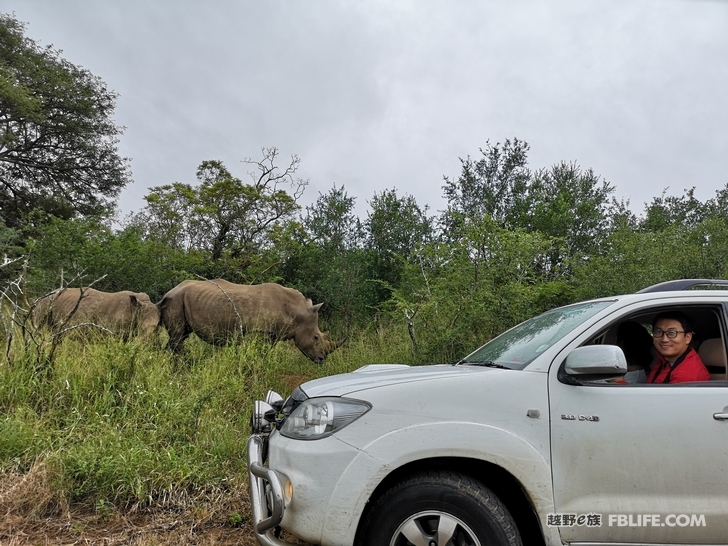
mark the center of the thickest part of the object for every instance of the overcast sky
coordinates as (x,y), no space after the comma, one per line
(376,95)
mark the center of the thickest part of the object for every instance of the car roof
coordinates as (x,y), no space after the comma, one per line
(684,284)
(681,288)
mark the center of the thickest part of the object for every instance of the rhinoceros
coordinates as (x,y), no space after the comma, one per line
(125,313)
(218,311)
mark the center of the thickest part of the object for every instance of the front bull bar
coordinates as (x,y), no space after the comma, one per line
(266,494)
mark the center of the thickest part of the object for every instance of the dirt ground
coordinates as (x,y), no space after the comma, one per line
(30,515)
(90,530)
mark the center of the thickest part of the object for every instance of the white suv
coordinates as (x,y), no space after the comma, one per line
(528,440)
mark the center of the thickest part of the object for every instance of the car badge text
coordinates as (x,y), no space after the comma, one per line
(572,417)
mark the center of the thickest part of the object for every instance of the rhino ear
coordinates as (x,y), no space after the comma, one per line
(316,307)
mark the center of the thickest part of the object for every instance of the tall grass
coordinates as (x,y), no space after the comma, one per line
(129,424)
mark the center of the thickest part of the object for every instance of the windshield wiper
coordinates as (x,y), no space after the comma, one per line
(486,363)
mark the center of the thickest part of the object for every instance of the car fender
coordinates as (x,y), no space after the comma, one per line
(400,447)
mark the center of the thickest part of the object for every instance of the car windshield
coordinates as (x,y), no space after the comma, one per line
(517,347)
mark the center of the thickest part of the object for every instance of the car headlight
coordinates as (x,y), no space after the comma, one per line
(320,417)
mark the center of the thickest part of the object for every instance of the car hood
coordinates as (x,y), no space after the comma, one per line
(379,375)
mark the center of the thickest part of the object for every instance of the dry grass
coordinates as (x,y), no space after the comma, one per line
(31,515)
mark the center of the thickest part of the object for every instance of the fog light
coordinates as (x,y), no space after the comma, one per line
(258,420)
(288,491)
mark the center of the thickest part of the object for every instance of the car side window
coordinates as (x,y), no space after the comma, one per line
(668,355)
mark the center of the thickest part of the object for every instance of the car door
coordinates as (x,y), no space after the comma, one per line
(648,459)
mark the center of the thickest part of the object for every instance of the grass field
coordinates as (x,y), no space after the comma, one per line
(124,443)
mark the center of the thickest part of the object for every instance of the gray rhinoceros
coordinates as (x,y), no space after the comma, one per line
(124,313)
(218,311)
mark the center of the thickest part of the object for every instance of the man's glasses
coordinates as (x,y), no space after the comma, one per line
(672,334)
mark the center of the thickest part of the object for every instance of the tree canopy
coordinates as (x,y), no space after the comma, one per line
(58,141)
(222,216)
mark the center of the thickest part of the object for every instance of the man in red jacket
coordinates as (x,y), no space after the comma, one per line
(677,361)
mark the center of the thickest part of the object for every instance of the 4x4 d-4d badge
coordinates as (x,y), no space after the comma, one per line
(572,417)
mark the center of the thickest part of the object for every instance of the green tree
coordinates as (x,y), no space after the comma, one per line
(637,258)
(396,225)
(710,239)
(239,216)
(718,206)
(10,241)
(568,203)
(168,216)
(456,295)
(58,141)
(671,210)
(395,229)
(228,220)
(331,221)
(331,265)
(89,250)
(489,186)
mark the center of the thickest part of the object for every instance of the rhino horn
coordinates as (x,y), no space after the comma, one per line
(333,345)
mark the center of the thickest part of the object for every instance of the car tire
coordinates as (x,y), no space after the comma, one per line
(438,508)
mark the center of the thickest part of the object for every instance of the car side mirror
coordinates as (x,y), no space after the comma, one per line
(594,362)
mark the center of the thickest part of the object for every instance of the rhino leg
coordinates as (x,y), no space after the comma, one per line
(176,340)
(178,331)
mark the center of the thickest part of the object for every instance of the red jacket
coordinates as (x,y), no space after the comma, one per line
(688,367)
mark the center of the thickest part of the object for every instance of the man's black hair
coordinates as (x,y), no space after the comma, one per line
(679,316)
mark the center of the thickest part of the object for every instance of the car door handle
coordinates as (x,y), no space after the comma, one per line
(720,416)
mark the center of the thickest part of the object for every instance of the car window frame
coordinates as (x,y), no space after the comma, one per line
(644,308)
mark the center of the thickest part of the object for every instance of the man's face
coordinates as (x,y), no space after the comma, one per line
(671,348)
